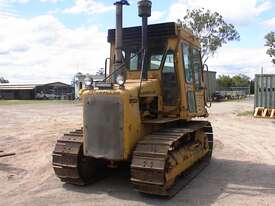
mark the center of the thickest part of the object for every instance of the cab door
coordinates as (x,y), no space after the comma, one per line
(198,79)
(193,79)
(189,77)
(170,86)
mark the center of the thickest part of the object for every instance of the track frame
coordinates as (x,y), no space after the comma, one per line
(149,164)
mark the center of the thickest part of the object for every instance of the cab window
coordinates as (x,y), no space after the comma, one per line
(155,56)
(197,68)
(169,81)
(155,61)
(187,63)
(169,66)
(133,61)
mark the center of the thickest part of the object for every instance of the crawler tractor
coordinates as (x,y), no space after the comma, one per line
(147,112)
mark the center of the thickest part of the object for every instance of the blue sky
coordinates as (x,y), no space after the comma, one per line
(48,40)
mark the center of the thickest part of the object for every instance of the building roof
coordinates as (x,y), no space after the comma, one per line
(22,86)
(264,75)
(213,72)
(18,86)
(56,84)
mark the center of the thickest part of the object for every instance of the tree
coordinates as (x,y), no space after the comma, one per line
(224,81)
(211,29)
(270,43)
(240,80)
(100,72)
(2,80)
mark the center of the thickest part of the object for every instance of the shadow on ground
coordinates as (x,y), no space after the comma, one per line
(10,169)
(220,179)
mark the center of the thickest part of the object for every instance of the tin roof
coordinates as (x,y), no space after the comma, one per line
(264,75)
(24,86)
(18,86)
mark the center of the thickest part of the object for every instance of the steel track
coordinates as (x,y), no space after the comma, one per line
(69,163)
(149,164)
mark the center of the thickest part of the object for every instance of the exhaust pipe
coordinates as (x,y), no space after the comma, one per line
(144,11)
(119,39)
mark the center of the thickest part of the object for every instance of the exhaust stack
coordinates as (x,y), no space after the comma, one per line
(119,39)
(144,11)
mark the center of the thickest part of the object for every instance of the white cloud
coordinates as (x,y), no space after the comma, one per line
(43,49)
(262,6)
(156,16)
(27,1)
(270,24)
(19,1)
(239,12)
(23,1)
(89,6)
(177,11)
(232,60)
(247,61)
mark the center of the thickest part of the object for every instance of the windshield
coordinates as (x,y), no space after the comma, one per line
(155,61)
(134,60)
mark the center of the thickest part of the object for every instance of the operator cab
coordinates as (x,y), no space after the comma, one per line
(174,58)
(158,35)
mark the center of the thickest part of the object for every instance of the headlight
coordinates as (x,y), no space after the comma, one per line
(120,80)
(88,81)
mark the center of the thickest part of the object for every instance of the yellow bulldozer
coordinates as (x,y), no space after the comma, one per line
(147,112)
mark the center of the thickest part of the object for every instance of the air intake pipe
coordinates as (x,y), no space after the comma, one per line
(119,38)
(144,11)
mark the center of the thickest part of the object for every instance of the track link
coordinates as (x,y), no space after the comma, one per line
(69,163)
(161,151)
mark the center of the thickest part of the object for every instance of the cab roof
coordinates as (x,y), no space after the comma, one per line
(156,32)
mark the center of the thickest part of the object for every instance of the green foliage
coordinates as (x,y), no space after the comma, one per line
(211,28)
(241,80)
(270,43)
(225,81)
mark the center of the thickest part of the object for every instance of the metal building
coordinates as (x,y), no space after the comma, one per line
(17,91)
(265,91)
(55,90)
(211,83)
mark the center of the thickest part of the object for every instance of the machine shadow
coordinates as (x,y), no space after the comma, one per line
(8,168)
(220,179)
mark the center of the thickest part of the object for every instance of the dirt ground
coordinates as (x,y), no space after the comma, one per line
(242,171)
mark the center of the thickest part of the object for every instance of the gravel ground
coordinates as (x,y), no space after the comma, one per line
(242,171)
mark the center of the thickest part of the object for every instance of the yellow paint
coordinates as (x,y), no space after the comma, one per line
(133,127)
(187,156)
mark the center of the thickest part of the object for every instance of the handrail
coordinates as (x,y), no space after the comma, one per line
(206,99)
(106,62)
